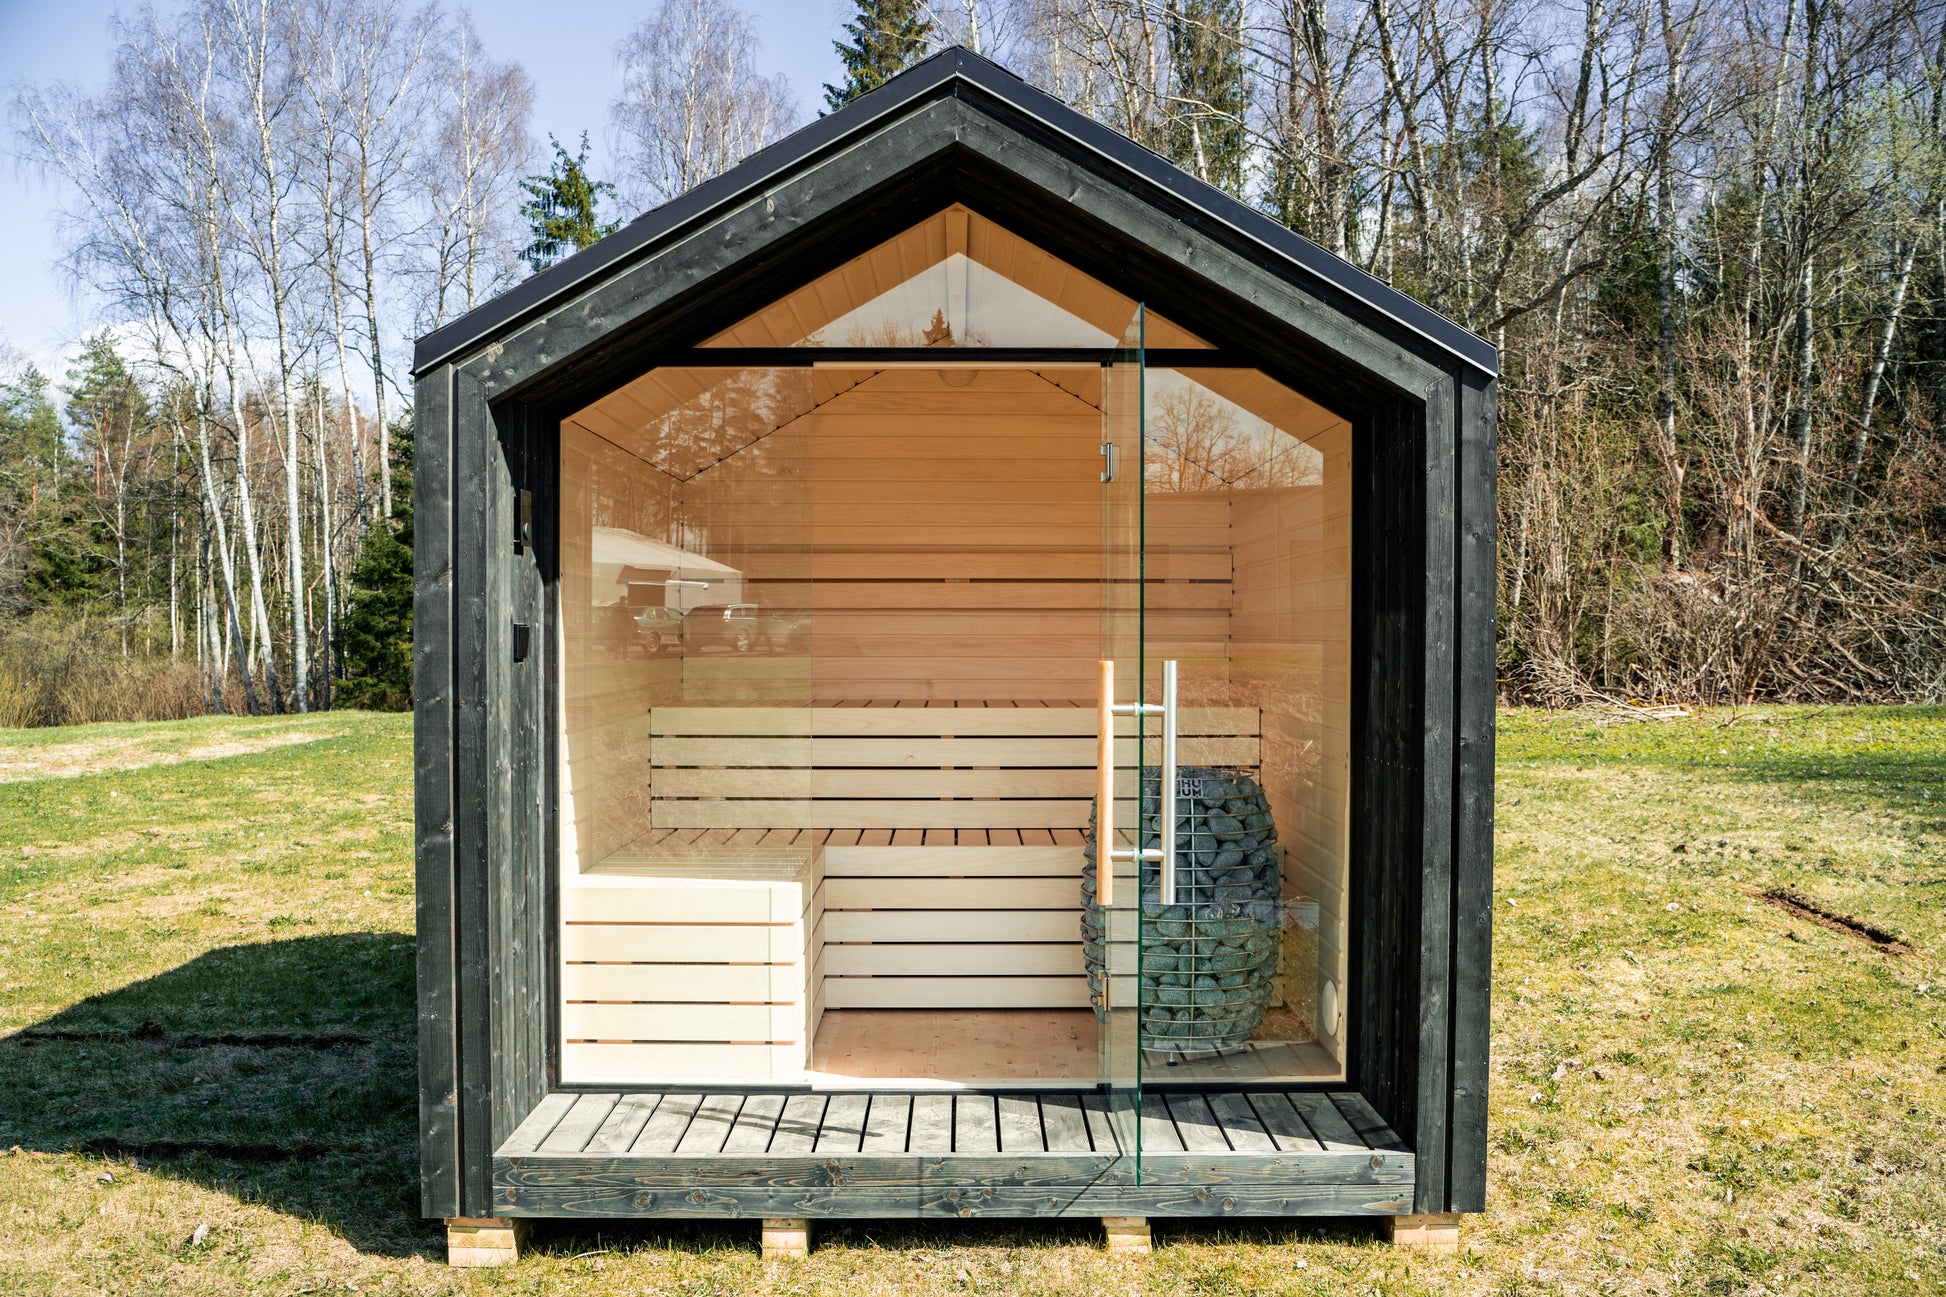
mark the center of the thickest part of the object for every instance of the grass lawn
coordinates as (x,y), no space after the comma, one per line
(206,1035)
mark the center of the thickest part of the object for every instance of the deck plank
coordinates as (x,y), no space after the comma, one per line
(1327,1123)
(579,1126)
(1240,1125)
(1065,1127)
(539,1125)
(755,1124)
(1159,1134)
(932,1124)
(976,1129)
(1370,1126)
(844,1123)
(1200,1131)
(666,1127)
(1288,1129)
(886,1123)
(623,1124)
(1020,1124)
(1101,1124)
(711,1125)
(1016,1153)
(797,1129)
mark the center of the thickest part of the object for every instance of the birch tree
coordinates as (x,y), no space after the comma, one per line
(692,103)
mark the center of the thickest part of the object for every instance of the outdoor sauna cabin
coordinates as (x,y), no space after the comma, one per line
(954,678)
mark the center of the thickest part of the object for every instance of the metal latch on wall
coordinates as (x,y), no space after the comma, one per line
(521,636)
(523,522)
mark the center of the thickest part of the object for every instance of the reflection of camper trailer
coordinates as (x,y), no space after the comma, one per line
(643,573)
(635,573)
(646,585)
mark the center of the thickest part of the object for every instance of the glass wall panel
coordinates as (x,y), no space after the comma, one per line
(830,638)
(1248,538)
(685,729)
(955,280)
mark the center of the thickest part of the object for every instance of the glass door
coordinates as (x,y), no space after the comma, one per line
(1121,829)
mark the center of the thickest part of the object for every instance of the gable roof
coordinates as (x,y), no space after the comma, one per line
(950,72)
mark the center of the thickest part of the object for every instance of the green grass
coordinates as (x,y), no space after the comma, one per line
(1694,1091)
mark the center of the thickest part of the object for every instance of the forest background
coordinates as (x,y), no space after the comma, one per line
(1707,236)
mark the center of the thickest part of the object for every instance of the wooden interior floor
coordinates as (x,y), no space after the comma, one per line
(954,1048)
(988,1049)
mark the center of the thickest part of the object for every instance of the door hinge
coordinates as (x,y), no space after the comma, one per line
(1108,457)
(520,641)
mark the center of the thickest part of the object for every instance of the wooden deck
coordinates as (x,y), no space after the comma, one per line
(724,1153)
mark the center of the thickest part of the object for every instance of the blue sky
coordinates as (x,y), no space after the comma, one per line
(571,62)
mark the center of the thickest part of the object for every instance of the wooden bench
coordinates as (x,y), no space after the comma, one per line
(691,964)
(949,835)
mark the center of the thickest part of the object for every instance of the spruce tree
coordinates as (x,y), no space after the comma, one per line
(561,207)
(1210,86)
(886,38)
(375,632)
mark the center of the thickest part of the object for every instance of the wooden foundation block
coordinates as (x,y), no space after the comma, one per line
(1127,1233)
(483,1240)
(1430,1233)
(786,1236)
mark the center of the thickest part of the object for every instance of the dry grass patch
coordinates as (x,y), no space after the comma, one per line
(133,747)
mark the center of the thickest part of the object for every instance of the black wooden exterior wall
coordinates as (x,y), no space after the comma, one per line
(1423,600)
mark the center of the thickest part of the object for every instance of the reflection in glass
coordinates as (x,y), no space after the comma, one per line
(955,280)
(749,555)
(1249,481)
(685,515)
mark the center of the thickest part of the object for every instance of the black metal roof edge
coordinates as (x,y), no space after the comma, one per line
(918,84)
(531,294)
(1232,212)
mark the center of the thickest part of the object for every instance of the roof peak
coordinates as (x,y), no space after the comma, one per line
(911,90)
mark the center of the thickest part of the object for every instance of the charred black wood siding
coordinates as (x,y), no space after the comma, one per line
(1472,883)
(1388,707)
(1423,600)
(434,812)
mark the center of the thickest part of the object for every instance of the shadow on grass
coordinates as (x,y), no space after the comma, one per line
(281,1073)
(565,1238)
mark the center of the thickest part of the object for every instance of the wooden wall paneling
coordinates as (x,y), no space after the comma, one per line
(536,767)
(437,908)
(1021,575)
(482,638)
(1289,651)
(1433,1004)
(1472,892)
(1388,847)
(606,686)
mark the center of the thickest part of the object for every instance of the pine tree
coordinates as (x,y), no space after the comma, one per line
(886,38)
(1211,90)
(375,633)
(561,207)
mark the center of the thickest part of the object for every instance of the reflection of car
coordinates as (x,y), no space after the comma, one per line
(731,625)
(658,628)
(787,630)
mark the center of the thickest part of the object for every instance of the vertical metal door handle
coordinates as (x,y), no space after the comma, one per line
(1167,825)
(1107,709)
(1105,787)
